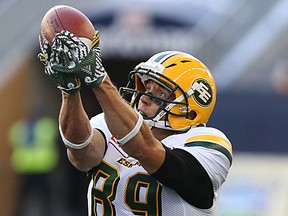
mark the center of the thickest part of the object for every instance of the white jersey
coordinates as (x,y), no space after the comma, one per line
(121,186)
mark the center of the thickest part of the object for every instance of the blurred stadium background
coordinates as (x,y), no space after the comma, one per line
(243,42)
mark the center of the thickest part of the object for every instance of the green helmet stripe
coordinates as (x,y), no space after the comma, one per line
(164,56)
(160,57)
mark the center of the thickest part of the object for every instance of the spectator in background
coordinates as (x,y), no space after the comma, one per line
(34,156)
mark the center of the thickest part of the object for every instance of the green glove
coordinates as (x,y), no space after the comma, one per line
(84,62)
(67,83)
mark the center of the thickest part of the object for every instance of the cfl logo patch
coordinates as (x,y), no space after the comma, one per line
(202,92)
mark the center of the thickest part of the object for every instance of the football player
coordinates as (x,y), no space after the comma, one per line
(150,151)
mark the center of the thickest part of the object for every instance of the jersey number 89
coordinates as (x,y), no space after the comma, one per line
(105,182)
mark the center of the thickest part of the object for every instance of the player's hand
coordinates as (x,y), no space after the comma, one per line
(84,62)
(67,83)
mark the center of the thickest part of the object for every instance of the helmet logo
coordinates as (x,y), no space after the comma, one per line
(202,92)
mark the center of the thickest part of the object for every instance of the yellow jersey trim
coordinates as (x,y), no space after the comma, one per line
(212,142)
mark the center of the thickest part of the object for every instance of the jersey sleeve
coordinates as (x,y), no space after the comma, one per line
(214,153)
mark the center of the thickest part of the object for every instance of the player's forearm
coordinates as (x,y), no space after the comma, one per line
(75,127)
(73,120)
(120,117)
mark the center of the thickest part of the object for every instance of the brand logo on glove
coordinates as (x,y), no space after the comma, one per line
(87,69)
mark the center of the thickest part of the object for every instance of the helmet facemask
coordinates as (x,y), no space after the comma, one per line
(136,88)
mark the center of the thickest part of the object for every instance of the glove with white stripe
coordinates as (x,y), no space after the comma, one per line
(84,62)
(68,83)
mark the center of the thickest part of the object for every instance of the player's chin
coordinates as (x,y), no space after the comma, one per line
(148,111)
(146,114)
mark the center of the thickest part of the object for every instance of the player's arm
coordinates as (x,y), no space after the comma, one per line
(76,131)
(85,146)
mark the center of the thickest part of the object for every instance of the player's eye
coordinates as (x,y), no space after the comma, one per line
(156,100)
(161,94)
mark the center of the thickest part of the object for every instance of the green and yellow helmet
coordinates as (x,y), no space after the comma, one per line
(190,83)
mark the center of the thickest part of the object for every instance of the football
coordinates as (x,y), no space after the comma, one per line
(62,17)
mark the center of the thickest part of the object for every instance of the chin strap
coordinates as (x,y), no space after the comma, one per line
(164,125)
(159,124)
